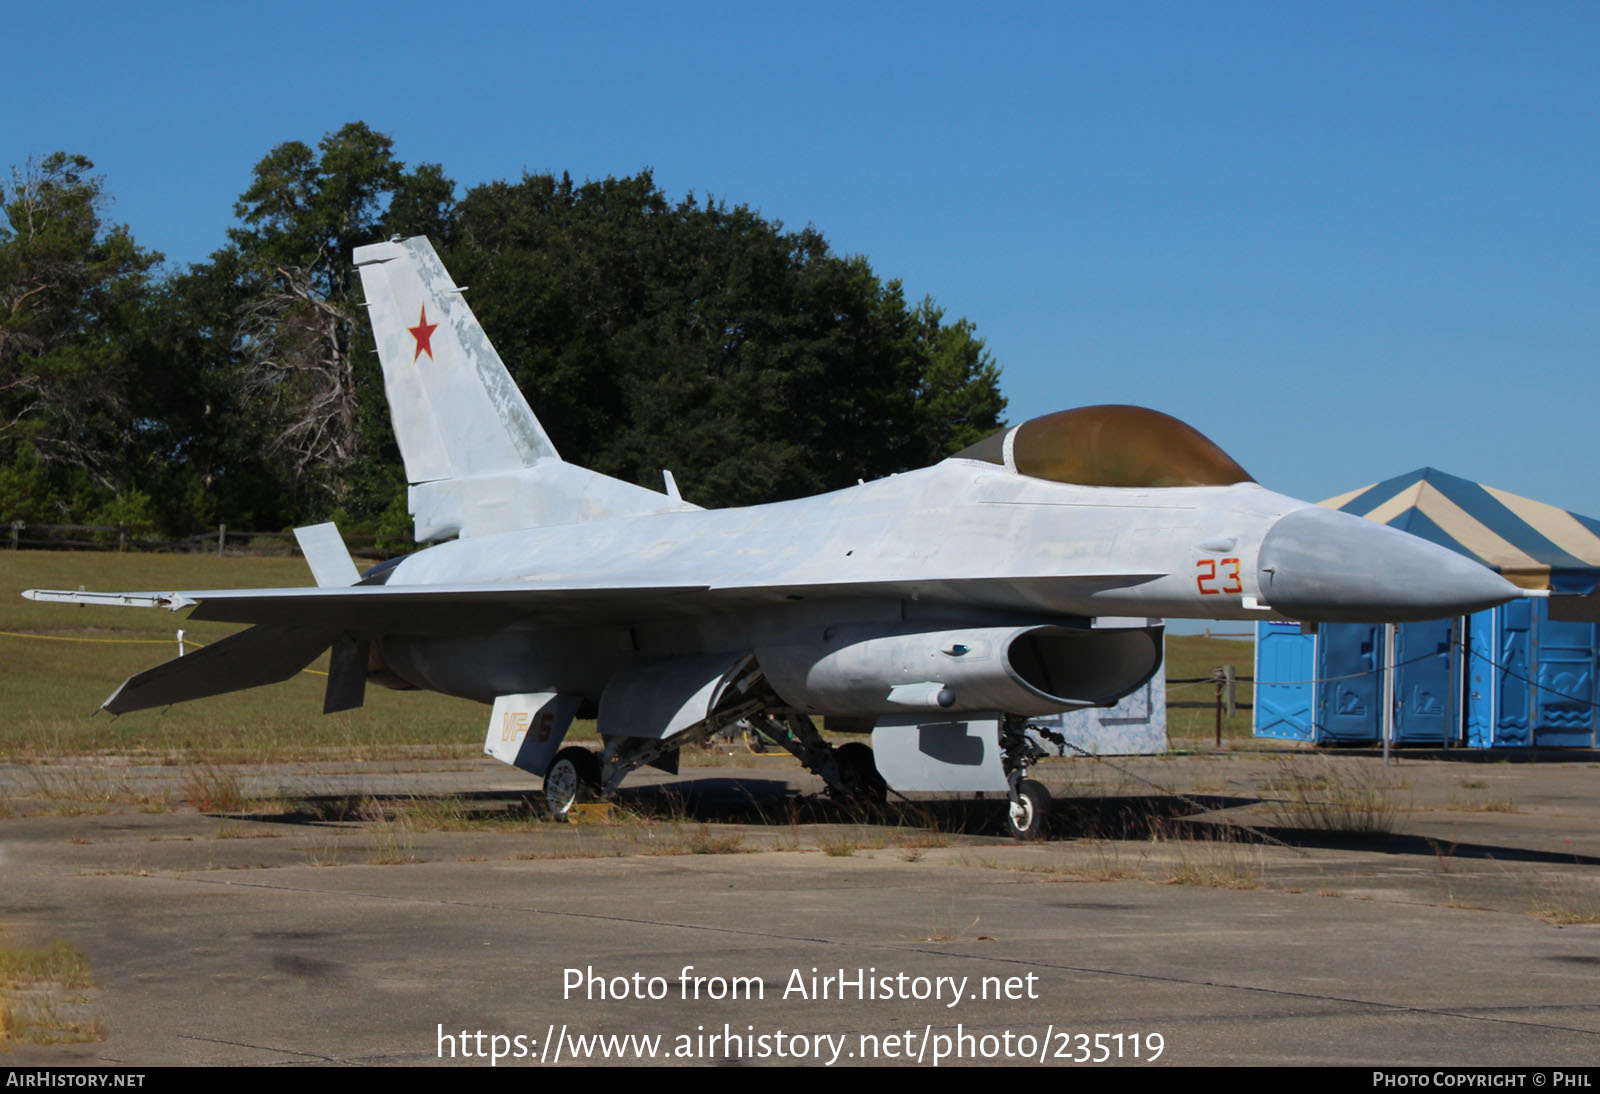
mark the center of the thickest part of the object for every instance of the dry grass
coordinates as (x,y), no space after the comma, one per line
(949,928)
(229,830)
(212,790)
(1490,804)
(1215,864)
(836,844)
(389,837)
(326,854)
(57,963)
(76,792)
(1344,797)
(1106,866)
(336,808)
(45,996)
(704,841)
(443,813)
(1567,906)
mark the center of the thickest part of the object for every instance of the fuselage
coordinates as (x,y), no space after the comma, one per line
(963,532)
(961,543)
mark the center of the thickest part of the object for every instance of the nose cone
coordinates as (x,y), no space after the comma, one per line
(1325,566)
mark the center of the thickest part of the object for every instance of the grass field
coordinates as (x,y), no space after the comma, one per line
(61,661)
(1190,655)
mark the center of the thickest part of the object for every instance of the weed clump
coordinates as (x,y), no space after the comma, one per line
(1334,797)
(1567,908)
(212,790)
(44,996)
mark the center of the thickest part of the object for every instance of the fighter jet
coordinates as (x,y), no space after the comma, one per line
(937,610)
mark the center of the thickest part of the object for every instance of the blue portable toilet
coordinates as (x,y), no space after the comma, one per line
(1530,679)
(1520,675)
(1427,682)
(1325,686)
(1287,657)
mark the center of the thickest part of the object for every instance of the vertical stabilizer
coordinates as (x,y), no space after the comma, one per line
(477,459)
(457,412)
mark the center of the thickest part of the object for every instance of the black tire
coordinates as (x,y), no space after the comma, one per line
(573,776)
(1028,817)
(859,770)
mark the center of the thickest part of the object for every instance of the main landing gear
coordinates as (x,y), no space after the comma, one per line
(850,770)
(573,776)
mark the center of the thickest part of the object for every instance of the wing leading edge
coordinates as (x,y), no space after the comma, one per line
(466,609)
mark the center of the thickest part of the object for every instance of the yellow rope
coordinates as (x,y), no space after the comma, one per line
(117,641)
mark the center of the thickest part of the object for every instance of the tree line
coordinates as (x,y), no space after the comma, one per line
(753,361)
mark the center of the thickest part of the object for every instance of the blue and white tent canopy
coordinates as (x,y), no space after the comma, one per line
(1531,543)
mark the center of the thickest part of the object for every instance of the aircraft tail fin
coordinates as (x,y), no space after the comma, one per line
(477,459)
(457,413)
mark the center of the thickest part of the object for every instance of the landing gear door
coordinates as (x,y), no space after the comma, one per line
(924,752)
(525,731)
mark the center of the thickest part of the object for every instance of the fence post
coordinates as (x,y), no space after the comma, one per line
(222,539)
(1216,678)
(122,536)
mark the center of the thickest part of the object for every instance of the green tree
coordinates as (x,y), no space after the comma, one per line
(956,384)
(304,342)
(73,289)
(753,362)
(205,444)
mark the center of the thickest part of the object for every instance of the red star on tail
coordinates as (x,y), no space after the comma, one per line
(423,333)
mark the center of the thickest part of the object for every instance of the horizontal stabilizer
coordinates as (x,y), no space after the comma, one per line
(260,655)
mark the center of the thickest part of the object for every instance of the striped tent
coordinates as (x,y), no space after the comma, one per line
(1531,543)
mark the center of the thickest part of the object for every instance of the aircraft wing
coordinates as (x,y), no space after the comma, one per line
(469,609)
(378,609)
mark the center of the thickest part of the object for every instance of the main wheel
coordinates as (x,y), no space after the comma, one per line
(571,777)
(859,770)
(1027,816)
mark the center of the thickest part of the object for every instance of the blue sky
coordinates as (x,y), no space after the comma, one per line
(1344,240)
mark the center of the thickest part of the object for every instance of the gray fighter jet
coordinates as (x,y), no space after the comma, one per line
(936,609)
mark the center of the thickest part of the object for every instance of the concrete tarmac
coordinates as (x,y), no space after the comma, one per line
(390,913)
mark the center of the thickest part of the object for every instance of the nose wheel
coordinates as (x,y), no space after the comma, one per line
(1028,811)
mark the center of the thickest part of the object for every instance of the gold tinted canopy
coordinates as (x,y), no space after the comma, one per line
(1111,446)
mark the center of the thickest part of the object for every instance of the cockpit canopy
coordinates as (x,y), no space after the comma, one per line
(1109,446)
